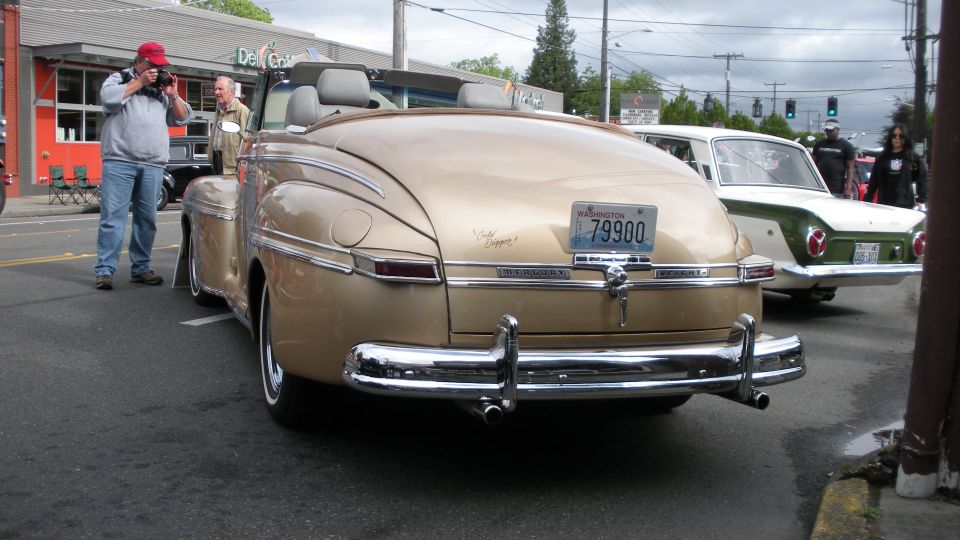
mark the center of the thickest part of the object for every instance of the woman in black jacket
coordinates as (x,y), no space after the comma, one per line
(895,170)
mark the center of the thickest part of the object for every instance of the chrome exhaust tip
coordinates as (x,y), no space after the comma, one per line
(758,400)
(489,412)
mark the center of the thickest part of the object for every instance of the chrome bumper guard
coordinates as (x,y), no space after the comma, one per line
(503,373)
(836,271)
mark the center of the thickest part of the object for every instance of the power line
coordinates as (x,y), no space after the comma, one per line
(653,21)
(778,60)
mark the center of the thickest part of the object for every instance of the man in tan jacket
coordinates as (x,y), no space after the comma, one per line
(222,152)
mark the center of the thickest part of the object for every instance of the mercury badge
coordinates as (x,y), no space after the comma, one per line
(532,273)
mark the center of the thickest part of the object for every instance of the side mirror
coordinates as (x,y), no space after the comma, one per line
(231,127)
(811,138)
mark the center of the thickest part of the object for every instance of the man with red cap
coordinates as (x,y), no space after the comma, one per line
(139,102)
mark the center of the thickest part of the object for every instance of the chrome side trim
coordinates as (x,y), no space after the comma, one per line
(202,208)
(284,248)
(484,374)
(311,162)
(836,271)
(585,284)
(301,240)
(578,267)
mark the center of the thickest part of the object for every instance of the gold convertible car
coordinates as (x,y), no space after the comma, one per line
(484,253)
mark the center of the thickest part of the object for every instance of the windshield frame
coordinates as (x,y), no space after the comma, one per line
(722,173)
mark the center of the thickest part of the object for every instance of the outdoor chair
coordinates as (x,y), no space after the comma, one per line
(59,190)
(83,189)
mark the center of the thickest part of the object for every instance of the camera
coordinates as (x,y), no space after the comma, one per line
(163,78)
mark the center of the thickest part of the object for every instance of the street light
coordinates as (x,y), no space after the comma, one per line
(605,67)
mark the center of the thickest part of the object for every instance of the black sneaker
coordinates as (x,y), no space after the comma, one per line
(149,277)
(104,282)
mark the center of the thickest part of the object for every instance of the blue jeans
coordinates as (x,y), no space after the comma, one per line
(121,183)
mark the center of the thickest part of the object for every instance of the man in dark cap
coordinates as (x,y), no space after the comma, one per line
(834,158)
(139,102)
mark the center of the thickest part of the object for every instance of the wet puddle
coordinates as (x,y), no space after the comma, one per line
(873,440)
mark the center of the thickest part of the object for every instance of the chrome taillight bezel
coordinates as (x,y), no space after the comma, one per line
(368,265)
(919,243)
(816,242)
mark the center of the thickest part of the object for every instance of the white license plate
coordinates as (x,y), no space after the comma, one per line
(622,228)
(866,253)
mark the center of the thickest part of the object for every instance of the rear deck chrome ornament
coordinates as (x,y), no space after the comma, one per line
(532,273)
(681,273)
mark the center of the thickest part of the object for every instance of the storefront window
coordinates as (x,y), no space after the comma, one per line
(79,112)
(193,94)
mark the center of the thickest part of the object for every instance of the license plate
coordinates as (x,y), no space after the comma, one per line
(626,228)
(866,253)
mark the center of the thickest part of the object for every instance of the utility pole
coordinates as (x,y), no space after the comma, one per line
(728,56)
(399,51)
(774,84)
(604,72)
(808,111)
(920,84)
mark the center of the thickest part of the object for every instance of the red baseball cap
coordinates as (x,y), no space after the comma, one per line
(154,53)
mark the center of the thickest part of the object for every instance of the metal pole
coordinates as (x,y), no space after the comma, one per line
(774,84)
(728,56)
(931,430)
(399,51)
(920,85)
(604,72)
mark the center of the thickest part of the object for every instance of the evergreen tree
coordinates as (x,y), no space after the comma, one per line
(554,65)
(240,8)
(680,111)
(586,98)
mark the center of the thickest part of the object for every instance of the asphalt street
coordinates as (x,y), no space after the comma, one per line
(119,420)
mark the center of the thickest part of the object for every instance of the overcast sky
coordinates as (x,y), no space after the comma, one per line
(869,31)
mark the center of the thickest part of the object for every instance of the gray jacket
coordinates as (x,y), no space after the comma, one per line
(136,127)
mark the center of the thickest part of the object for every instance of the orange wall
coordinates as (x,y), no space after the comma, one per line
(67,154)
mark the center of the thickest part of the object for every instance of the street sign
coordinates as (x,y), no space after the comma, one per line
(643,109)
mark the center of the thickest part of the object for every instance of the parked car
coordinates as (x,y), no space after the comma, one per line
(861,174)
(188,160)
(478,254)
(775,195)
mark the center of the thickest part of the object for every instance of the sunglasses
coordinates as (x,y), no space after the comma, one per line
(897,136)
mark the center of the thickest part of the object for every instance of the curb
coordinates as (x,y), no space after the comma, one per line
(841,507)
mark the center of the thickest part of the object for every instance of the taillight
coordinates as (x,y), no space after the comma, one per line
(757,273)
(816,243)
(919,243)
(390,269)
(6,178)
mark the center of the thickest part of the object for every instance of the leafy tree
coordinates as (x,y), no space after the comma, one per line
(554,65)
(586,98)
(680,111)
(776,125)
(742,122)
(240,8)
(716,114)
(488,65)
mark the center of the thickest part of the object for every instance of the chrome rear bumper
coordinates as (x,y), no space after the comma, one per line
(504,373)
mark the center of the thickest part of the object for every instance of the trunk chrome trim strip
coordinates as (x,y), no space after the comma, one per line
(592,285)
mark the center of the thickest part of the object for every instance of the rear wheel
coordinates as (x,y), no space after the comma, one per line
(196,290)
(286,394)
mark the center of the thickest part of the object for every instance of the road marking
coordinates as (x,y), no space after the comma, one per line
(12,235)
(208,320)
(65,257)
(46,221)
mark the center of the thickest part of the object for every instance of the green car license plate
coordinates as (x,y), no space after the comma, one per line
(866,253)
(624,228)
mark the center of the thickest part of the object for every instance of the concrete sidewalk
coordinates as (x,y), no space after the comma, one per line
(37,206)
(850,508)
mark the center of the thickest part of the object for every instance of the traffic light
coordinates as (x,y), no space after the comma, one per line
(757,108)
(832,106)
(3,130)
(791,108)
(708,103)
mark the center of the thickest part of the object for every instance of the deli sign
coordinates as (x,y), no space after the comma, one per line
(265,57)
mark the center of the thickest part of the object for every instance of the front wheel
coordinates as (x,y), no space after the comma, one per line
(286,394)
(163,198)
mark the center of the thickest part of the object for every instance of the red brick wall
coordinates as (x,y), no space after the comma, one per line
(11,84)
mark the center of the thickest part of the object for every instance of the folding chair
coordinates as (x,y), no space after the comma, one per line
(59,190)
(84,190)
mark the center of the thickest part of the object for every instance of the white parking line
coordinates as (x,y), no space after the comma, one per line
(208,320)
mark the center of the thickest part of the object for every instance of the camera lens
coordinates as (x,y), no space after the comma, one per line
(163,78)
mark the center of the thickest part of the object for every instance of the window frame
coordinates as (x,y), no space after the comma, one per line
(84,109)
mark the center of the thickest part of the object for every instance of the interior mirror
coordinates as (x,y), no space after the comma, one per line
(228,127)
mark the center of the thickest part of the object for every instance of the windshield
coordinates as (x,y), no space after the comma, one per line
(759,162)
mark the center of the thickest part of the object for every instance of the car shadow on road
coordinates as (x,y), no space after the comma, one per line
(782,308)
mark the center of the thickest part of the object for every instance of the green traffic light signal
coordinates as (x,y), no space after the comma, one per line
(832,106)
(791,108)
